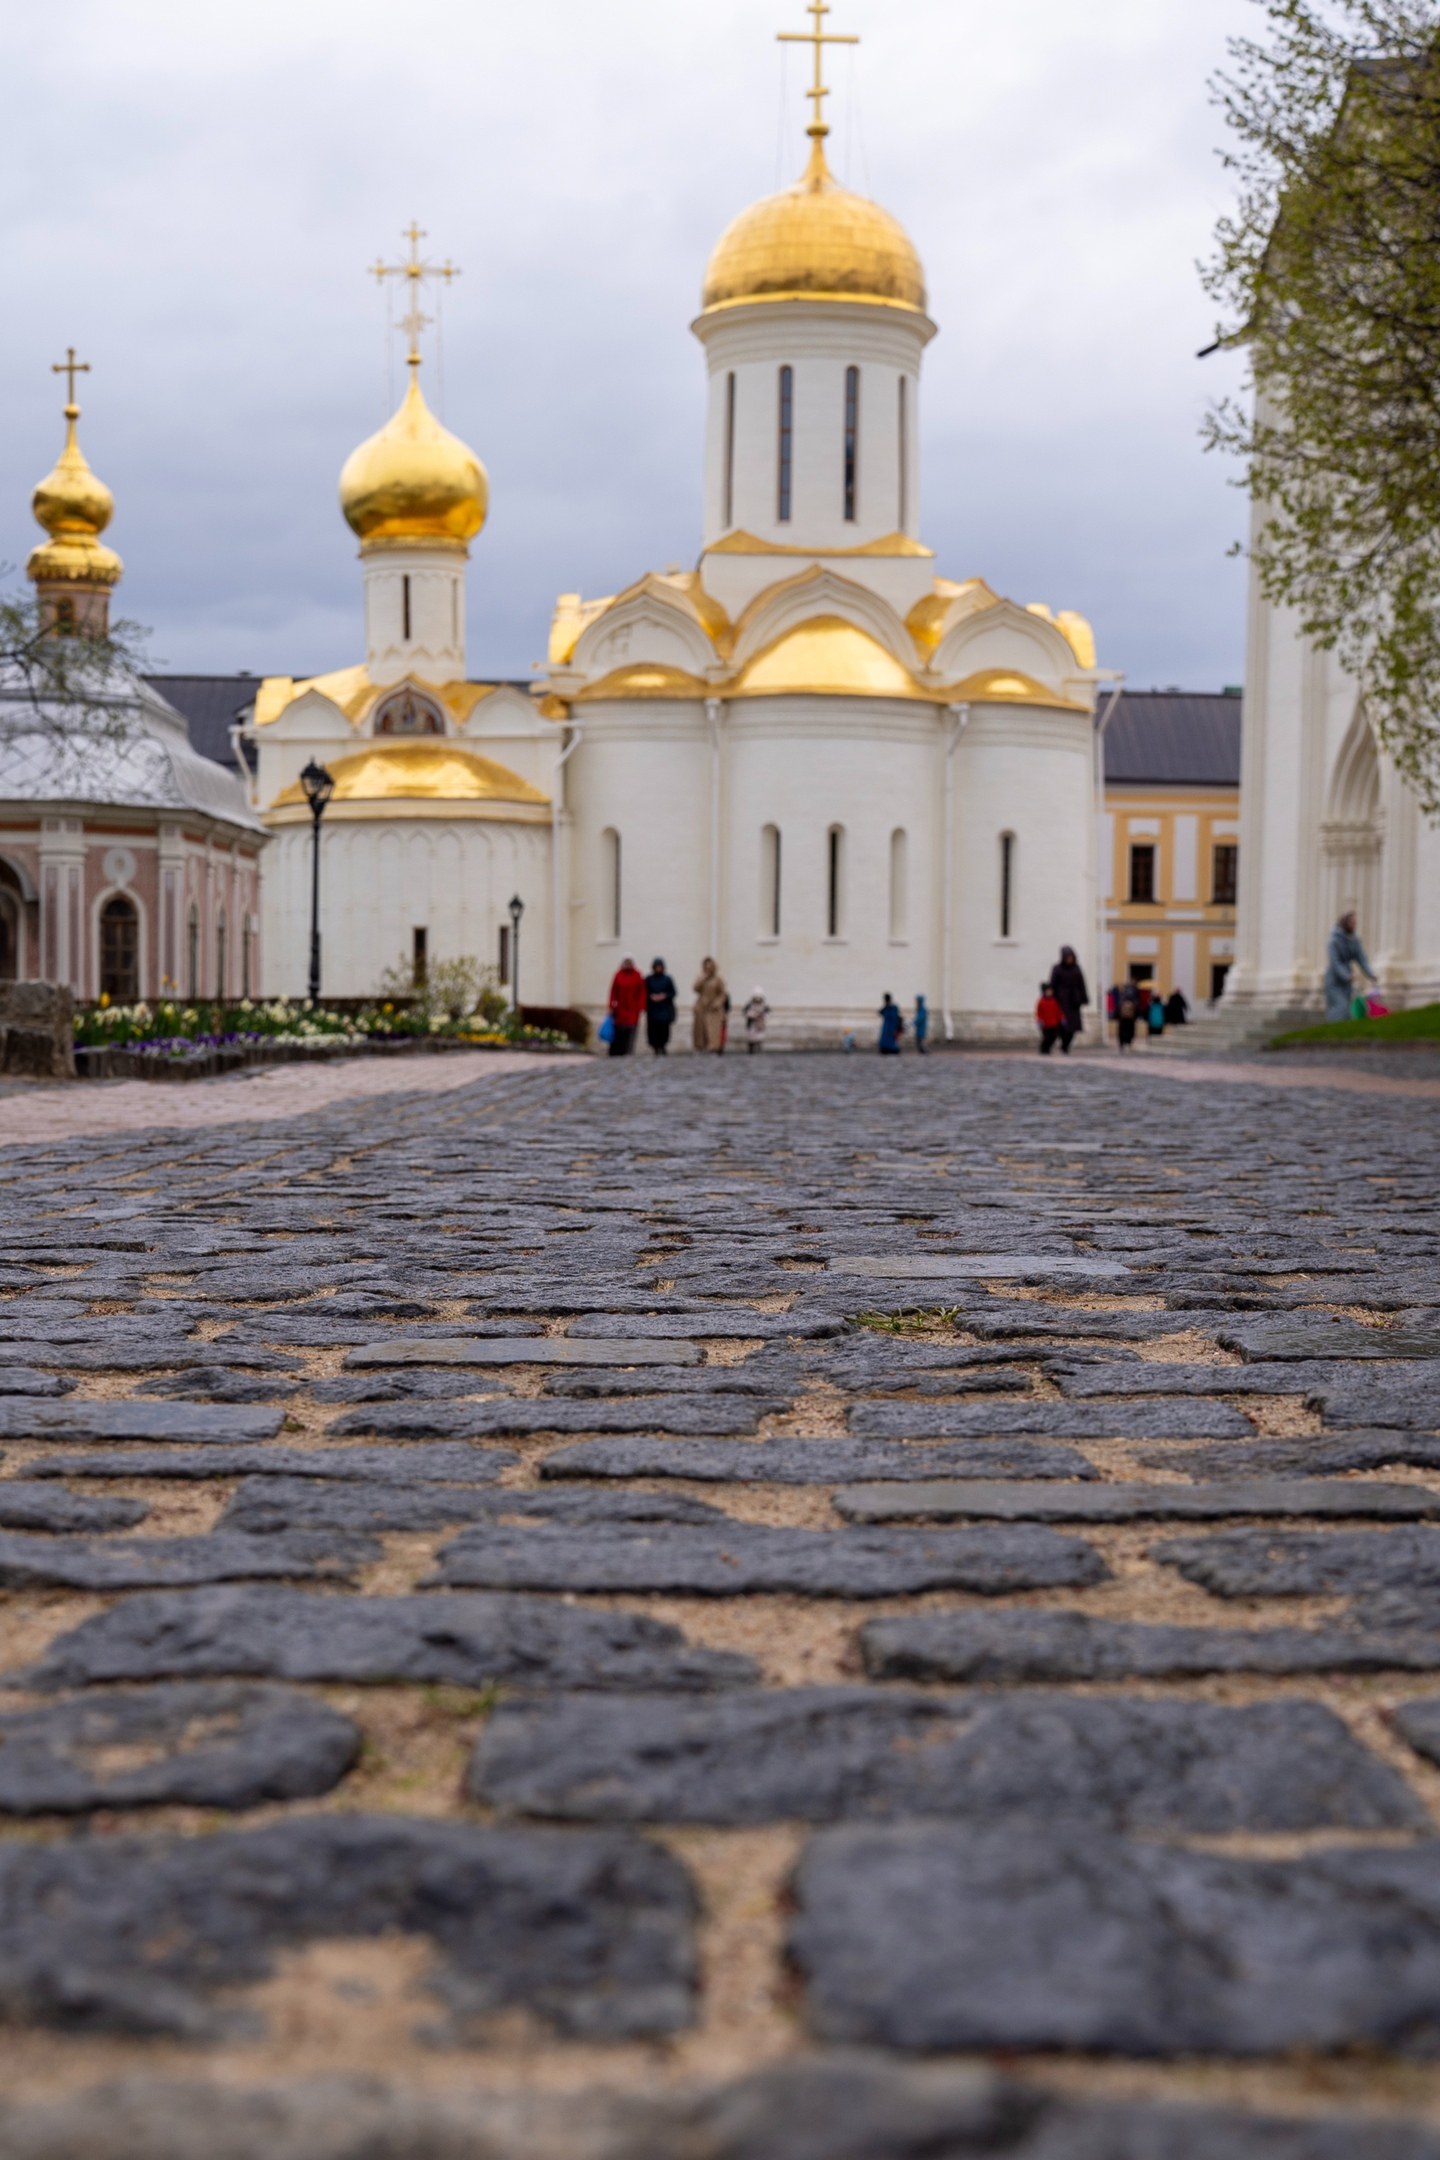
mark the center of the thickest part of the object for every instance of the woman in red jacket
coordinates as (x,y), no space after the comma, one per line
(627,1003)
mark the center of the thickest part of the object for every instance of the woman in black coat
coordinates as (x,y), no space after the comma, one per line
(1067,987)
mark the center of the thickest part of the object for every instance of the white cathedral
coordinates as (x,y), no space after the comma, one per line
(810,756)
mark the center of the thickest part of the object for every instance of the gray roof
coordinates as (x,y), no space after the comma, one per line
(209,704)
(1175,738)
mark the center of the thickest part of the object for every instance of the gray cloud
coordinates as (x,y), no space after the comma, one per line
(191,195)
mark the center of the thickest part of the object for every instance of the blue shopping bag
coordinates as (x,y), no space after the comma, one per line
(607,1028)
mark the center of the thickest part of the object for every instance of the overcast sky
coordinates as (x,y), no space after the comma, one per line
(192,193)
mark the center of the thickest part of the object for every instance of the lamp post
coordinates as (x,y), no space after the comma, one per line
(319,787)
(517,909)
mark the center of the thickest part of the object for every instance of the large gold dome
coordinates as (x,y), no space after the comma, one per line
(74,507)
(816,241)
(414,480)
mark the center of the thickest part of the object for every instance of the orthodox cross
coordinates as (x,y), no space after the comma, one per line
(412,322)
(819,37)
(70,367)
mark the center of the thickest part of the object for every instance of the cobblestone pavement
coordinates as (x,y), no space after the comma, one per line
(776,1609)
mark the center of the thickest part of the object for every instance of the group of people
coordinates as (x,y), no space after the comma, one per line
(651,997)
(1059,1013)
(1135,1004)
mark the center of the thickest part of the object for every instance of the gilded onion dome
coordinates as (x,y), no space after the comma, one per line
(74,507)
(414,481)
(815,241)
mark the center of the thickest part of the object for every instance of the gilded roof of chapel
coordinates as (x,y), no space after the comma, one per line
(356,695)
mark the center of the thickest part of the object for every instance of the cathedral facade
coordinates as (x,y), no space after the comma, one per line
(812,756)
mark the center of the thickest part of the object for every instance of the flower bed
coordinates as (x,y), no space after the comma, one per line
(199,1038)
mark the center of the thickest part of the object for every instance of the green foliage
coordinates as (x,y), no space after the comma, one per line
(453,990)
(1421,1024)
(1329,269)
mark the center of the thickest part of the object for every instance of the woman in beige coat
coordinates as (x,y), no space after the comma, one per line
(709,1008)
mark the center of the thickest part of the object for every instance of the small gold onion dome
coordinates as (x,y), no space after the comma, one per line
(74,507)
(414,480)
(815,240)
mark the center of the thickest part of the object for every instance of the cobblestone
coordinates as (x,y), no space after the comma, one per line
(606,1587)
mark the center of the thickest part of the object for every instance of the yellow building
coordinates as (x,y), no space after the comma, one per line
(1172,824)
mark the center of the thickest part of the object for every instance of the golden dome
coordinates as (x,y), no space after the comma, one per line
(819,241)
(74,507)
(414,480)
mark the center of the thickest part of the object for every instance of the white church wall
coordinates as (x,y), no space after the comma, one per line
(642,771)
(415,613)
(1028,772)
(381,879)
(864,769)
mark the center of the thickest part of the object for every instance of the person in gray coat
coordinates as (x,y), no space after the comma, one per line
(1346,953)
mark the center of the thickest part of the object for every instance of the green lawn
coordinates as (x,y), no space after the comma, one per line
(1420,1025)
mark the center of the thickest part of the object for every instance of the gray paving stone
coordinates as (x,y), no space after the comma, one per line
(961,1499)
(26,1505)
(1404,1395)
(748,1558)
(1037,1646)
(1419,1723)
(838,2105)
(221,1384)
(471,1642)
(591,1932)
(1261,1340)
(448,1463)
(699,1414)
(264,1506)
(57,1563)
(840,1754)
(20,1380)
(774,1379)
(1296,1563)
(1080,1382)
(940,1268)
(942,1936)
(1050,1421)
(88,1422)
(1317,1455)
(813,1462)
(139,1357)
(714,1324)
(401,1386)
(203,1745)
(546,1350)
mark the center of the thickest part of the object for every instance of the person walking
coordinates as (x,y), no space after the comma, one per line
(921,1024)
(1127,1012)
(1345,955)
(659,1008)
(1177,1008)
(627,1002)
(1067,987)
(1049,1019)
(892,1027)
(757,1012)
(1155,1014)
(711,1000)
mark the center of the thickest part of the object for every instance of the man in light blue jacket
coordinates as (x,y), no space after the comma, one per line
(1346,953)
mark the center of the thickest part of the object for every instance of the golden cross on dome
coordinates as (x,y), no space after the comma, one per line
(415,272)
(72,367)
(819,37)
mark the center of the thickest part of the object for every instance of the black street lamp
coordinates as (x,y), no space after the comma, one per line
(319,787)
(517,909)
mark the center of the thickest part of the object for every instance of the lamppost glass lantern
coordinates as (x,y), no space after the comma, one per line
(319,786)
(517,909)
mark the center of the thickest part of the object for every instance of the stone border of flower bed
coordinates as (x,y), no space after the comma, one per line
(109,1062)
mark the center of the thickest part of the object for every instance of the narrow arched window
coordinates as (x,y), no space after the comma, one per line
(192,953)
(835,880)
(247,939)
(728,508)
(220,954)
(903,430)
(1007,884)
(120,950)
(770,881)
(852,438)
(899,883)
(405,609)
(610,882)
(787,441)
